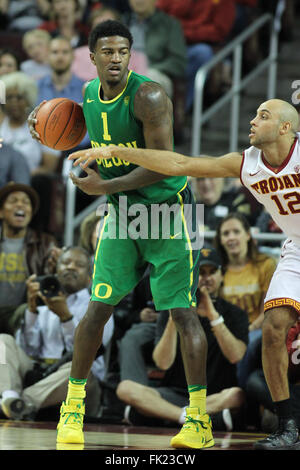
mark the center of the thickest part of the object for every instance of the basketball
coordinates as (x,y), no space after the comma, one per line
(60,124)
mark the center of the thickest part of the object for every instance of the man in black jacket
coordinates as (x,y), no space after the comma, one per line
(23,251)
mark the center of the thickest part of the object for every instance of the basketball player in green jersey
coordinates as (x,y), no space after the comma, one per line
(127,109)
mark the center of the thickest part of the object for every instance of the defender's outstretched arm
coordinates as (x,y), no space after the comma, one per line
(165,161)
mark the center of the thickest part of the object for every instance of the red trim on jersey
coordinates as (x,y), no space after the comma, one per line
(284,163)
(241,169)
(282,302)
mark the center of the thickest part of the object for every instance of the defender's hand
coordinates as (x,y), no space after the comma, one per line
(85,157)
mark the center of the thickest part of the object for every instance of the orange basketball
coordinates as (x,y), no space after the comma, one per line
(60,124)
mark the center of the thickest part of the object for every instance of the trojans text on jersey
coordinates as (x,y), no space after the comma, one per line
(277,183)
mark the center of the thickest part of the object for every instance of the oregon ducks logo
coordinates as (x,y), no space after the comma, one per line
(126,100)
(103,290)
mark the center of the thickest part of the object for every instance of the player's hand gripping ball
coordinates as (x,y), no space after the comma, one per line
(60,124)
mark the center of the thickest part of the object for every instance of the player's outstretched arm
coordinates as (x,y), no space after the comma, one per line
(166,162)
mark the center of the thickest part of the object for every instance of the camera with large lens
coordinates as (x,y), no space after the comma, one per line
(49,285)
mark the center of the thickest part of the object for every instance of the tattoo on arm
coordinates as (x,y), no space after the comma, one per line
(154,109)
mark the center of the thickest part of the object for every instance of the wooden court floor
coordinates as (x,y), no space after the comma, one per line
(27,435)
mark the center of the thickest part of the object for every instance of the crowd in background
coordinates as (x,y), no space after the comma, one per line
(44,55)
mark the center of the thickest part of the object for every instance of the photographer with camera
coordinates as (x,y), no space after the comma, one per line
(46,336)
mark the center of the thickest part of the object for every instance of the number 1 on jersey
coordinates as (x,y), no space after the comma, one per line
(106,135)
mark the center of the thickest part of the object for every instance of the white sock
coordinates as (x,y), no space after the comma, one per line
(182,416)
(10,394)
(126,414)
(227,419)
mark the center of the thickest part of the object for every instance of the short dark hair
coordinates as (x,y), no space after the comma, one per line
(106,29)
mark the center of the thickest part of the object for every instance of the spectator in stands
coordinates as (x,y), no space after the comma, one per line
(36,45)
(65,21)
(265,223)
(226,329)
(160,38)
(257,391)
(45,6)
(45,334)
(21,94)
(20,15)
(9,61)
(137,343)
(120,5)
(246,12)
(89,232)
(13,166)
(133,341)
(23,251)
(247,274)
(61,83)
(82,65)
(104,12)
(205,25)
(219,200)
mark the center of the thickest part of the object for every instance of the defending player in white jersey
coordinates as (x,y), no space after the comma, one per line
(270,169)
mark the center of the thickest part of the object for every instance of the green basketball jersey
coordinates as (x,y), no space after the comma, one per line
(113,122)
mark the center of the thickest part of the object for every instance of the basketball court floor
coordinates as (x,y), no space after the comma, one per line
(26,435)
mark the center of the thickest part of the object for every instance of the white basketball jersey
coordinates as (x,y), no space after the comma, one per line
(278,189)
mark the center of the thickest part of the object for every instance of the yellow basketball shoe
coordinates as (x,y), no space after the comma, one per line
(196,433)
(70,426)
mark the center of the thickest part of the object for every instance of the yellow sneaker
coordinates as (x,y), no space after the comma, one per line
(196,433)
(70,426)
(63,446)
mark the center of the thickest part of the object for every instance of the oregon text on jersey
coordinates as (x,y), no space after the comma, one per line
(113,161)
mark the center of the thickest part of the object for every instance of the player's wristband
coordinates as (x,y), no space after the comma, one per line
(217,321)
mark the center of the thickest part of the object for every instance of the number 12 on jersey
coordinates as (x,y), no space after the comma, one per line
(290,204)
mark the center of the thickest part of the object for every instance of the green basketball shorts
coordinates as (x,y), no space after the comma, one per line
(162,236)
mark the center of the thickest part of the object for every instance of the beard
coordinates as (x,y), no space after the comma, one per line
(267,137)
(61,71)
(113,83)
